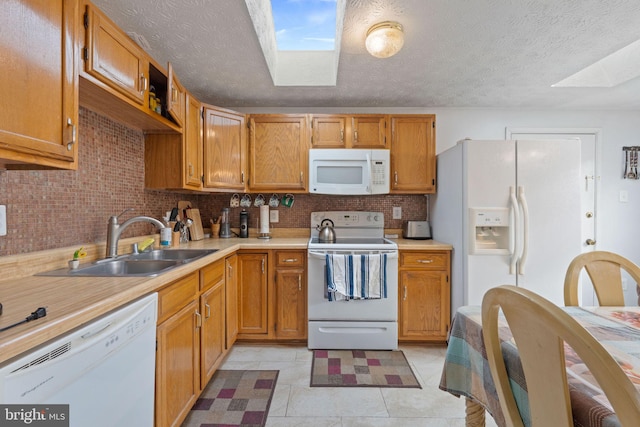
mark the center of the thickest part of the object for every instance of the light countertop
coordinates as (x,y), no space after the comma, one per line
(74,301)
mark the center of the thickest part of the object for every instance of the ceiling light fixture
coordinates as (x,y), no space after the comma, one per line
(385,39)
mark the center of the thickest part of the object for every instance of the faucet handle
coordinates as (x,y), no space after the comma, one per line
(124,212)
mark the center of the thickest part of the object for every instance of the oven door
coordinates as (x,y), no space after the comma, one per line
(320,308)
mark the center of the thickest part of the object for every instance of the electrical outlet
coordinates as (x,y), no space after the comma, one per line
(397,212)
(3,220)
(624,283)
(274,216)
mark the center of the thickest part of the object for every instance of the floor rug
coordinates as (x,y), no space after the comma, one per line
(361,368)
(234,398)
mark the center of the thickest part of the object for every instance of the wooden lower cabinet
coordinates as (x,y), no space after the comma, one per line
(424,291)
(272,295)
(212,311)
(231,296)
(290,285)
(252,295)
(178,351)
(190,340)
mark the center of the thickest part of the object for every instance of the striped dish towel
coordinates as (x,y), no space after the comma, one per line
(350,277)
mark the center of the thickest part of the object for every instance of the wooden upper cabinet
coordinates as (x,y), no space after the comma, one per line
(174,161)
(279,153)
(413,156)
(368,131)
(175,97)
(39,84)
(348,131)
(328,131)
(192,142)
(225,149)
(113,58)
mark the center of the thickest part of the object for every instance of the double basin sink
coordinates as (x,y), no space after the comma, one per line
(146,264)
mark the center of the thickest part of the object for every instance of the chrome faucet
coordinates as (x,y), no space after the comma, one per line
(114,230)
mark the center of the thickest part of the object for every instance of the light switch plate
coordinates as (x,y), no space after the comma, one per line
(397,212)
(3,220)
(274,216)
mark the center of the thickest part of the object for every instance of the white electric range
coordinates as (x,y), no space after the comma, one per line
(370,324)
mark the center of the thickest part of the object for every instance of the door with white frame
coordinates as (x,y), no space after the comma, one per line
(590,139)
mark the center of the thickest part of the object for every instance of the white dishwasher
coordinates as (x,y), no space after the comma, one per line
(104,371)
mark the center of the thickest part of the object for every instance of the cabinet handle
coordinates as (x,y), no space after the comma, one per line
(355,135)
(290,260)
(425,261)
(301,177)
(208,311)
(395,177)
(198,320)
(299,283)
(263,266)
(341,135)
(404,297)
(242,177)
(144,81)
(73,134)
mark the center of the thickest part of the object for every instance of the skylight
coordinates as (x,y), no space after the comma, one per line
(612,70)
(304,24)
(308,48)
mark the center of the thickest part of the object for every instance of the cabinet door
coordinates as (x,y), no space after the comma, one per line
(413,156)
(225,149)
(252,294)
(177,366)
(424,304)
(231,296)
(328,131)
(114,59)
(291,303)
(368,131)
(279,153)
(39,84)
(212,303)
(175,97)
(193,143)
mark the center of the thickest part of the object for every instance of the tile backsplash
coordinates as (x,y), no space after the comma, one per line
(51,209)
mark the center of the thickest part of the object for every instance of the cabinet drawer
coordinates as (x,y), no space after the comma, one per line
(290,258)
(211,274)
(431,260)
(175,296)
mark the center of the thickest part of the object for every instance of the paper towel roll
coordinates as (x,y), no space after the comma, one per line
(264,219)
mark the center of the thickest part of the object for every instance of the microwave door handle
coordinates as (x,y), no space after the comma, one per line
(370,173)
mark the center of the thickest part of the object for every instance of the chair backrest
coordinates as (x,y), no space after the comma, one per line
(604,269)
(539,329)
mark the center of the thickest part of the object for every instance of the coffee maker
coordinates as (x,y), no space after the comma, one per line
(244,224)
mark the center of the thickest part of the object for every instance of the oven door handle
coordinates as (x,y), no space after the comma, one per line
(322,255)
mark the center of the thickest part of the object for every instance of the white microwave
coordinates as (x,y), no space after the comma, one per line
(349,171)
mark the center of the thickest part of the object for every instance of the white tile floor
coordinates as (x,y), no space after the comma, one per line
(295,403)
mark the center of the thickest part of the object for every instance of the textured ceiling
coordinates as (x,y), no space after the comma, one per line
(457,53)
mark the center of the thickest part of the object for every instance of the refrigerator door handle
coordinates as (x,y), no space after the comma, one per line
(525,229)
(514,234)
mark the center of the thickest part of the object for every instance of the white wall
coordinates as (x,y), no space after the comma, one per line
(618,224)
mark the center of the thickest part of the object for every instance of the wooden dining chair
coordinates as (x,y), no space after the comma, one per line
(604,269)
(539,329)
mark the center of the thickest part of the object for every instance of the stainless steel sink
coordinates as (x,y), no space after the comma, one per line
(147,264)
(173,254)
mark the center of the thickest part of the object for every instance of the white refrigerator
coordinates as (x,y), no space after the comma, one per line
(511,210)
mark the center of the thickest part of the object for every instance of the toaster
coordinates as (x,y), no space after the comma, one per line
(419,230)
